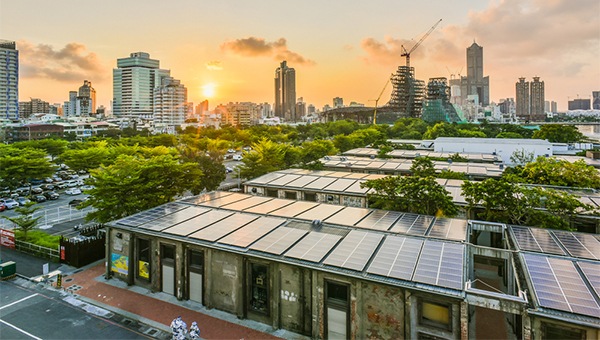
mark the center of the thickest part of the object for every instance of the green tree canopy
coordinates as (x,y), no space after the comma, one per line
(553,171)
(23,164)
(558,133)
(422,167)
(25,221)
(266,156)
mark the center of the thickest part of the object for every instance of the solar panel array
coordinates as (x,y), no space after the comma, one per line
(279,240)
(296,208)
(441,264)
(198,222)
(449,228)
(412,224)
(558,285)
(149,215)
(396,258)
(379,220)
(267,207)
(247,203)
(354,251)
(252,231)
(223,227)
(348,216)
(174,218)
(206,197)
(320,212)
(579,245)
(313,247)
(535,239)
(592,273)
(221,201)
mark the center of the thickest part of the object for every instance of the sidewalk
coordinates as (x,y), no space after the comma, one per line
(161,308)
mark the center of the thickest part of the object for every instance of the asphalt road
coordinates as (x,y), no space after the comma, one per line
(28,311)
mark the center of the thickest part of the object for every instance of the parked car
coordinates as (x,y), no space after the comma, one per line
(82,172)
(74,176)
(9,203)
(49,180)
(65,176)
(61,186)
(87,187)
(228,169)
(22,200)
(237,157)
(56,179)
(47,187)
(2,207)
(37,190)
(51,195)
(37,198)
(78,201)
(231,151)
(73,191)
(228,157)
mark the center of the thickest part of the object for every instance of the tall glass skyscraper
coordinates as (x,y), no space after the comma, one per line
(9,80)
(134,81)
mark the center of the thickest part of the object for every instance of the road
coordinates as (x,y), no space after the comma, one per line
(29,311)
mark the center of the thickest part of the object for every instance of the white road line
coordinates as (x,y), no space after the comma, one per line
(20,330)
(23,299)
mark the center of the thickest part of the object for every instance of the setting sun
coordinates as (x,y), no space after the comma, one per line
(209,90)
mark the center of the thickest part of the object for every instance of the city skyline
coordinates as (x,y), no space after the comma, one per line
(346,51)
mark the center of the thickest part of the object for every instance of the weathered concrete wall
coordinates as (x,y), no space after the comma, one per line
(382,312)
(336,199)
(354,201)
(292,298)
(120,246)
(319,305)
(298,193)
(538,334)
(226,276)
(416,326)
(259,190)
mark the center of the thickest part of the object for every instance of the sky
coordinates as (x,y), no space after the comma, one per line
(227,51)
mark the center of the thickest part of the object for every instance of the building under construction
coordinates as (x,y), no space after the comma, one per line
(437,106)
(408,92)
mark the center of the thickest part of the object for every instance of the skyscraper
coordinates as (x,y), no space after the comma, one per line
(338,102)
(285,92)
(134,81)
(9,86)
(596,100)
(537,98)
(300,108)
(475,82)
(523,99)
(170,103)
(86,100)
(35,105)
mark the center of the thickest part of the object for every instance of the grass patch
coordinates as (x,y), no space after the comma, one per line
(39,238)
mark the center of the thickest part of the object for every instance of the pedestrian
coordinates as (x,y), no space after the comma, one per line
(194,331)
(179,328)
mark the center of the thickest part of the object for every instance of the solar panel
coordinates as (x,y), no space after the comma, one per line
(293,209)
(207,197)
(397,258)
(573,246)
(266,178)
(247,203)
(269,206)
(252,231)
(591,243)
(279,240)
(149,215)
(356,175)
(374,176)
(198,222)
(379,220)
(449,228)
(441,264)
(313,247)
(284,180)
(525,239)
(300,182)
(348,216)
(546,242)
(320,183)
(592,273)
(221,201)
(354,251)
(412,224)
(558,285)
(320,212)
(340,185)
(223,227)
(356,189)
(176,217)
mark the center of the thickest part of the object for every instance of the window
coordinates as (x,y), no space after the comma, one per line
(272,193)
(290,195)
(434,314)
(554,331)
(143,256)
(337,293)
(309,196)
(259,291)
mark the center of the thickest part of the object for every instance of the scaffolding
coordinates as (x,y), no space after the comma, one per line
(438,106)
(408,92)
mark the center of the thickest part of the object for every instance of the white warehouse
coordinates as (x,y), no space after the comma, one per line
(500,146)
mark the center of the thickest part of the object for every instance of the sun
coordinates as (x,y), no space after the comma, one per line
(209,90)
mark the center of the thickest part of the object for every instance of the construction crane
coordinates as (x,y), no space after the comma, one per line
(377,100)
(451,74)
(407,54)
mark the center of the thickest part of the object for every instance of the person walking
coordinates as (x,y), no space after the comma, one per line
(194,331)
(179,329)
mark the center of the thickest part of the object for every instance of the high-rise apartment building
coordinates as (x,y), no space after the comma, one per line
(579,104)
(9,80)
(170,103)
(310,109)
(134,81)
(475,82)
(596,100)
(285,92)
(537,98)
(300,108)
(70,107)
(238,114)
(553,107)
(86,100)
(523,99)
(202,108)
(35,105)
(338,102)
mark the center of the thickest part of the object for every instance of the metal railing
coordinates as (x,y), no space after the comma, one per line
(54,215)
(34,249)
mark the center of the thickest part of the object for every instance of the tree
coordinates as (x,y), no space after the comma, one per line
(419,195)
(383,152)
(70,136)
(449,174)
(553,171)
(266,156)
(508,135)
(343,143)
(134,183)
(85,159)
(19,165)
(25,221)
(210,164)
(52,147)
(522,157)
(312,151)
(422,167)
(558,133)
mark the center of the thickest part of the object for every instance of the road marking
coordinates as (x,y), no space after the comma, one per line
(23,299)
(20,330)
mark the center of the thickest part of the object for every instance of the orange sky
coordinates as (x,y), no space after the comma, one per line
(345,49)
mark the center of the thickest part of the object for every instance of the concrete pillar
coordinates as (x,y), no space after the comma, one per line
(179,270)
(526,323)
(407,315)
(464,320)
(208,278)
(108,249)
(275,295)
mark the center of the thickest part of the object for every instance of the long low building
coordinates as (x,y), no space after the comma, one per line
(412,154)
(340,272)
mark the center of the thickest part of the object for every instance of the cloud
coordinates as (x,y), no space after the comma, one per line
(214,65)
(348,47)
(71,63)
(258,47)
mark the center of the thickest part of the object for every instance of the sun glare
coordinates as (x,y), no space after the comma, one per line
(209,90)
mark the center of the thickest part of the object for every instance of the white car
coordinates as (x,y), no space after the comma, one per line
(73,191)
(231,151)
(237,157)
(87,187)
(9,203)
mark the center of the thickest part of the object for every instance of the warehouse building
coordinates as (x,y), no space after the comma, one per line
(340,272)
(412,154)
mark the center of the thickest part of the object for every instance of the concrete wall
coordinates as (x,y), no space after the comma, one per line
(537,333)
(354,201)
(294,309)
(225,272)
(415,327)
(382,312)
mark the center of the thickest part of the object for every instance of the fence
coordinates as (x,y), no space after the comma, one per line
(39,251)
(80,252)
(54,215)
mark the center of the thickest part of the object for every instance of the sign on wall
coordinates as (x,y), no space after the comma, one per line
(7,238)
(144,269)
(120,263)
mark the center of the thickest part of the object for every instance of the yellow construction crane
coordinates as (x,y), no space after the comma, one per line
(377,100)
(407,54)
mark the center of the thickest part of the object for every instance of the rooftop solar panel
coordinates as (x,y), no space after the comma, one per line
(302,181)
(396,258)
(558,285)
(354,251)
(320,183)
(221,201)
(149,215)
(356,189)
(320,212)
(283,180)
(389,166)
(374,176)
(197,223)
(313,247)
(525,239)
(247,203)
(348,216)
(340,185)
(449,228)
(356,175)
(269,206)
(223,227)
(579,245)
(279,240)
(546,242)
(296,208)
(412,224)
(206,197)
(379,220)
(338,174)
(252,231)
(264,179)
(174,218)
(440,264)
(592,273)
